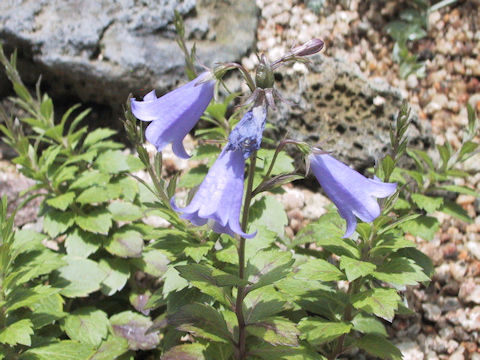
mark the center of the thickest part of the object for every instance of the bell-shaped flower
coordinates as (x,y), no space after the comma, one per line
(247,135)
(352,193)
(218,200)
(174,114)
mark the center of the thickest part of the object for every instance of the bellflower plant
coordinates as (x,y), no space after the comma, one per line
(219,197)
(353,194)
(173,115)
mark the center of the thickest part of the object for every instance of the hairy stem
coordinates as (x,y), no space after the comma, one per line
(241,345)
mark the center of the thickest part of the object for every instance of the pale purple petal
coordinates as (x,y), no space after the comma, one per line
(219,196)
(353,194)
(174,114)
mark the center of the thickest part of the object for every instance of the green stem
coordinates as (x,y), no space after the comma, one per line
(241,345)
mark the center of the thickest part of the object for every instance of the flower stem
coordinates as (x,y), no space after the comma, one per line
(241,345)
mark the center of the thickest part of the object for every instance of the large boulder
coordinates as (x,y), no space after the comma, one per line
(340,109)
(101,50)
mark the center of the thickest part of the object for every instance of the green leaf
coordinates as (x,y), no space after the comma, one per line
(81,243)
(153,262)
(71,284)
(25,297)
(356,268)
(459,189)
(57,222)
(201,320)
(99,194)
(193,177)
(318,269)
(62,202)
(381,302)
(390,242)
(453,209)
(97,221)
(90,178)
(427,203)
(400,271)
(419,258)
(268,212)
(66,173)
(267,351)
(112,162)
(174,282)
(87,325)
(283,163)
(262,303)
(134,327)
(198,251)
(125,243)
(17,333)
(267,267)
(125,211)
(46,310)
(379,346)
(118,272)
(368,325)
(111,348)
(423,226)
(97,135)
(275,331)
(185,352)
(318,331)
(63,350)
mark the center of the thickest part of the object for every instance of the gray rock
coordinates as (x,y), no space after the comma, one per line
(431,311)
(339,108)
(101,51)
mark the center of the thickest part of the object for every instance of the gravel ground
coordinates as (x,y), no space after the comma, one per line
(447,320)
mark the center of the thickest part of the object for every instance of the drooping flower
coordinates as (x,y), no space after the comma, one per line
(219,198)
(247,135)
(353,194)
(174,114)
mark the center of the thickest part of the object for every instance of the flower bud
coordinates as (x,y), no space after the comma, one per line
(264,78)
(309,48)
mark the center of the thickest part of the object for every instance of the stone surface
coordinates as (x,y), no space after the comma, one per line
(343,111)
(111,48)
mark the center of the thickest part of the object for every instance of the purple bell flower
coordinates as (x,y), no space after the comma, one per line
(219,197)
(174,114)
(353,194)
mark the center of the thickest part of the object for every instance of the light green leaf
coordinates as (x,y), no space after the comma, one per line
(368,325)
(455,210)
(379,346)
(125,243)
(267,267)
(134,327)
(111,348)
(57,222)
(62,202)
(263,303)
(118,272)
(17,333)
(423,226)
(193,177)
(71,284)
(97,221)
(318,331)
(198,251)
(63,350)
(276,331)
(268,212)
(427,203)
(356,268)
(26,297)
(90,178)
(400,271)
(185,352)
(460,189)
(381,302)
(81,243)
(153,262)
(87,325)
(125,211)
(46,310)
(97,135)
(112,161)
(318,269)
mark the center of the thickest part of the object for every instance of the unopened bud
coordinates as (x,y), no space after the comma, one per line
(264,78)
(309,48)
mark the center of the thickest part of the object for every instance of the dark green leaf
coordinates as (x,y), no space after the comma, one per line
(453,209)
(381,302)
(356,268)
(379,346)
(267,267)
(275,331)
(400,271)
(318,331)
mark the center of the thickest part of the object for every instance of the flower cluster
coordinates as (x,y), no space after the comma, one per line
(218,200)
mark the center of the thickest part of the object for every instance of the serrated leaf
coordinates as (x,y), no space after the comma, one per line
(419,258)
(63,350)
(400,271)
(381,302)
(125,243)
(62,202)
(283,163)
(268,212)
(368,325)
(90,178)
(459,189)
(57,222)
(318,269)
(17,333)
(46,310)
(262,303)
(423,226)
(455,210)
(134,328)
(318,331)
(118,272)
(153,262)
(275,331)
(267,351)
(198,251)
(356,268)
(379,346)
(97,221)
(81,243)
(97,135)
(390,242)
(87,325)
(71,284)
(112,162)
(66,173)
(124,211)
(185,352)
(427,203)
(111,348)
(267,267)
(25,297)
(99,194)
